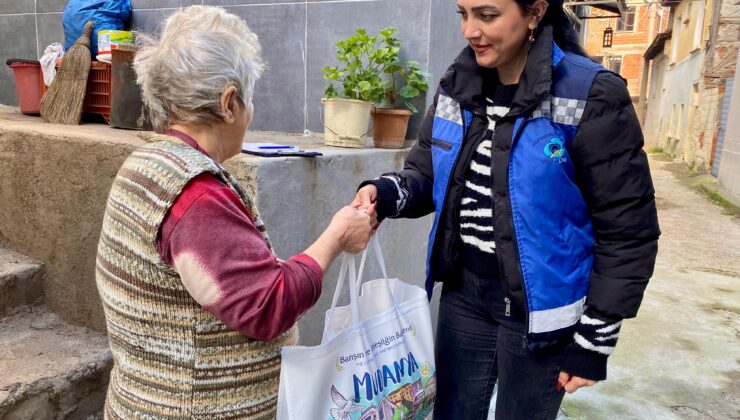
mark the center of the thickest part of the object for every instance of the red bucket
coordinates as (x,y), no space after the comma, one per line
(28,85)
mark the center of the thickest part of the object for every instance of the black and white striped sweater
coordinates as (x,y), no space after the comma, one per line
(476,205)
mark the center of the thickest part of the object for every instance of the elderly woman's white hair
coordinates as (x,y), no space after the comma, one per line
(201,51)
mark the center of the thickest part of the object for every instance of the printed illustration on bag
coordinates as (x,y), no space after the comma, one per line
(403,389)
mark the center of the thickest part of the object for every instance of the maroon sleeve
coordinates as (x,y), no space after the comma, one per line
(209,238)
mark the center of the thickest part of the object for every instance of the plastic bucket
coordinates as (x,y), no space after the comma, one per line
(346,122)
(28,82)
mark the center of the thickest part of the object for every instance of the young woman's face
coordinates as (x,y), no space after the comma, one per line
(497,30)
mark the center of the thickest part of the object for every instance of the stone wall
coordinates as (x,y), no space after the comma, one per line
(729,170)
(719,64)
(699,149)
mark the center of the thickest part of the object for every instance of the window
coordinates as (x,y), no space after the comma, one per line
(627,21)
(675,39)
(614,63)
(598,58)
(699,28)
(608,37)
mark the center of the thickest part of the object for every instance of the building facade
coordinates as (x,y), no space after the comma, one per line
(688,67)
(630,36)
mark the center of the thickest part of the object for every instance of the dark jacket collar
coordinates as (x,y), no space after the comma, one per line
(464,79)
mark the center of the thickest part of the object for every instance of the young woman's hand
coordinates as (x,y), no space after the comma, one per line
(365,197)
(573,383)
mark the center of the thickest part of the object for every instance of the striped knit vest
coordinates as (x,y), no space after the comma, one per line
(172,358)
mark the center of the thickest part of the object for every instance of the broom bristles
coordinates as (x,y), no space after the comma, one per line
(62,103)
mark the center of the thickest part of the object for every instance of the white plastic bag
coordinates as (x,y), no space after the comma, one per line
(376,359)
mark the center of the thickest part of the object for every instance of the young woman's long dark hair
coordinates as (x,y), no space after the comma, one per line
(562,28)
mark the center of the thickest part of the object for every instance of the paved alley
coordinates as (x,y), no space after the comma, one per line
(680,358)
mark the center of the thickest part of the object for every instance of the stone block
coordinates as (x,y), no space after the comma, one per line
(16,6)
(249,2)
(445,42)
(50,6)
(150,21)
(50,30)
(51,370)
(21,30)
(155,4)
(21,280)
(279,94)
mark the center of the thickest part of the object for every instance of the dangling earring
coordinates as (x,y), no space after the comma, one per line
(531,36)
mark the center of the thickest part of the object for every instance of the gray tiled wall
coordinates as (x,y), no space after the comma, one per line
(297,38)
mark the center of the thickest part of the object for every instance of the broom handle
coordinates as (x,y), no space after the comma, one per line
(84,39)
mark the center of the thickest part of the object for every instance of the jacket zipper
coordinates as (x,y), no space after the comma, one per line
(515,238)
(507,312)
(449,185)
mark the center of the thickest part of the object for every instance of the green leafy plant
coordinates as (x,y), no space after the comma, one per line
(371,70)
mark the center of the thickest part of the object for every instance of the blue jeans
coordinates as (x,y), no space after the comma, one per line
(481,341)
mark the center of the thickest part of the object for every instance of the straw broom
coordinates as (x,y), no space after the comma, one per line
(62,103)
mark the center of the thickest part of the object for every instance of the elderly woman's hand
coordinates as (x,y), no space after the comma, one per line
(349,231)
(353,228)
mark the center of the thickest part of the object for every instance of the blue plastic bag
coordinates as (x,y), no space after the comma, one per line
(106,14)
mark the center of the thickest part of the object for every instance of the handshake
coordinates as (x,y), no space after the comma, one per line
(355,224)
(350,229)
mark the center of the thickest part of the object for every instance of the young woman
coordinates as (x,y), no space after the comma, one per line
(545,229)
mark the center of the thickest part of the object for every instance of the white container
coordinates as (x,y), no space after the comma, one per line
(109,39)
(346,122)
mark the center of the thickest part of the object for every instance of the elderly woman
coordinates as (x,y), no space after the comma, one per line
(197,304)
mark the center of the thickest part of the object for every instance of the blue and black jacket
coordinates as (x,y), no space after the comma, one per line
(574,209)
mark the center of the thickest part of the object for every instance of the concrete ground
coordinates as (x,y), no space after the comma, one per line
(680,358)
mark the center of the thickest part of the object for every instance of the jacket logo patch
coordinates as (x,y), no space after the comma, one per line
(555,150)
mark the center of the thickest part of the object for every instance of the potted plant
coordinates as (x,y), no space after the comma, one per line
(370,71)
(406,81)
(347,113)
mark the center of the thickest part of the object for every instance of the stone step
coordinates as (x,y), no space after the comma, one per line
(50,369)
(21,280)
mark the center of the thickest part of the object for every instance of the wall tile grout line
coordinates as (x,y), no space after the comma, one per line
(29,14)
(346,1)
(36,22)
(429,35)
(305,75)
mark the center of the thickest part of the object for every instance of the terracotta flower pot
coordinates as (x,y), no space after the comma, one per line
(389,127)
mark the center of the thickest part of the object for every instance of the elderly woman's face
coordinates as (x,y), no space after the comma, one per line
(248,113)
(496,30)
(242,119)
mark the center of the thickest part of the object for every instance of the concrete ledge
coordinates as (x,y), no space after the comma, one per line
(54,182)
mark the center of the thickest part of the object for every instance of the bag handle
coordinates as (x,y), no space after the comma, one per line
(347,272)
(375,243)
